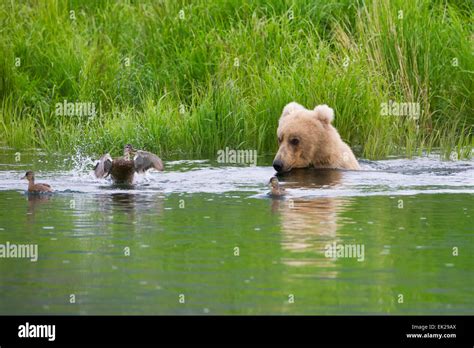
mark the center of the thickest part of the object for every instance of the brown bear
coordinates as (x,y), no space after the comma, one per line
(308,139)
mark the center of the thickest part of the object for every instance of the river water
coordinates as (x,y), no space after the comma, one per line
(205,238)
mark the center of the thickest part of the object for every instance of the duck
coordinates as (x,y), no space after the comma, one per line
(276,190)
(122,169)
(36,188)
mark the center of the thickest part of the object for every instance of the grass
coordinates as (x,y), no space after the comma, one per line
(218,73)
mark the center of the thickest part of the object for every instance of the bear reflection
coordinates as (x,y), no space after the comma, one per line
(309,224)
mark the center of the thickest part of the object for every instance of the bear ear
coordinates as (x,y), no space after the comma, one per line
(324,113)
(291,107)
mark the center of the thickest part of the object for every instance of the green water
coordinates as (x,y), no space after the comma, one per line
(237,251)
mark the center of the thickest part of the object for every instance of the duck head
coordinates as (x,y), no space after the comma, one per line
(29,175)
(274,183)
(129,151)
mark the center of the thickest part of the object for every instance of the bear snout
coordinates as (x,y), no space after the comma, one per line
(278,165)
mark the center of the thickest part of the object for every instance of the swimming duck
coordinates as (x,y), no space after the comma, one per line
(36,188)
(123,169)
(277,191)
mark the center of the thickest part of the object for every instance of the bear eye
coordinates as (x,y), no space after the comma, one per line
(294,141)
(280,140)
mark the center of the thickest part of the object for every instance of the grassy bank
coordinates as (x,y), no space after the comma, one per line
(196,76)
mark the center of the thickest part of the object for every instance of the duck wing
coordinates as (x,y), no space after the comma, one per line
(145,160)
(103,166)
(44,187)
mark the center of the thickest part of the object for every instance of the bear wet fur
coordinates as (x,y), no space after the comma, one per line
(307,138)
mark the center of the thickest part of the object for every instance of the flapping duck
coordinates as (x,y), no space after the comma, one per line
(123,169)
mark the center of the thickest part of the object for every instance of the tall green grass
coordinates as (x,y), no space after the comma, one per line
(220,75)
